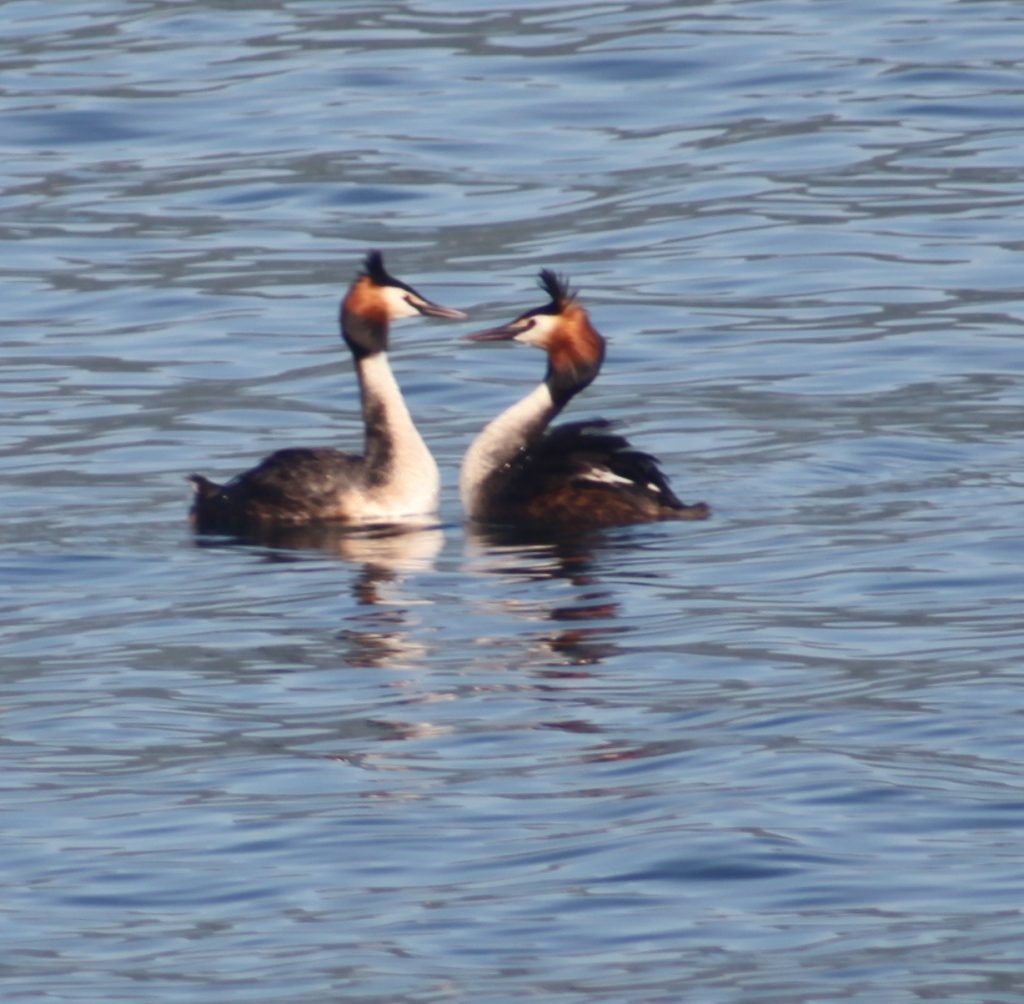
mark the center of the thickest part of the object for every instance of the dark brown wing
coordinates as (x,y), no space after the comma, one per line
(583,474)
(290,487)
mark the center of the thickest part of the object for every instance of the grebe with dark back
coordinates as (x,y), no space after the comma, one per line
(576,476)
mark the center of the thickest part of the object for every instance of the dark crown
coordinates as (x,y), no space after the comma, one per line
(374,270)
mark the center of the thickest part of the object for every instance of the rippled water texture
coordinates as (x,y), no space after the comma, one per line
(773,758)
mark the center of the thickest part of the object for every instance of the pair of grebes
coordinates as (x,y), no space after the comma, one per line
(518,471)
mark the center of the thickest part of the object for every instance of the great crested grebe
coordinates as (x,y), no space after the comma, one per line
(579,475)
(395,479)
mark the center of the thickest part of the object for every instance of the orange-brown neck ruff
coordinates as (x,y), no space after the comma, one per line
(575,354)
(364,299)
(364,318)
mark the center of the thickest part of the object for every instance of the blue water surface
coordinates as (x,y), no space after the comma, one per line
(772,758)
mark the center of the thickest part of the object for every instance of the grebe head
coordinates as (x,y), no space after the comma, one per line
(376,298)
(563,330)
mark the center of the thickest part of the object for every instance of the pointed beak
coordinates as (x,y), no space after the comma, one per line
(503,334)
(436,310)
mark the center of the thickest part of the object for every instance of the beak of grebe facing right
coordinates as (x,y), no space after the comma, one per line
(428,309)
(400,299)
(378,291)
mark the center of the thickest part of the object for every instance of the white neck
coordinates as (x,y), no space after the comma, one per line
(501,440)
(401,475)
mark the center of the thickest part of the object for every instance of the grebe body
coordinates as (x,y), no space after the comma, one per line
(395,478)
(580,475)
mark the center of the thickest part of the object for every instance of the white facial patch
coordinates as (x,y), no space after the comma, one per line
(539,333)
(396,302)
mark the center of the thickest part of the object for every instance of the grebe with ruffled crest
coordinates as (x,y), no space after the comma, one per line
(396,477)
(576,476)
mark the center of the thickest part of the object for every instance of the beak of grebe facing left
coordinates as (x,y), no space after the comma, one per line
(563,330)
(537,326)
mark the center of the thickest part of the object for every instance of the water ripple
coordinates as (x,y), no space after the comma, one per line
(769,758)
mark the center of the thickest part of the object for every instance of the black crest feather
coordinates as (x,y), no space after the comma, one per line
(374,270)
(556,286)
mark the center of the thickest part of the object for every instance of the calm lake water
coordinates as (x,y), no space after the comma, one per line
(774,758)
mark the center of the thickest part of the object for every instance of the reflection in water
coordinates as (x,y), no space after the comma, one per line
(381,636)
(380,639)
(580,647)
(797,777)
(512,552)
(390,547)
(387,553)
